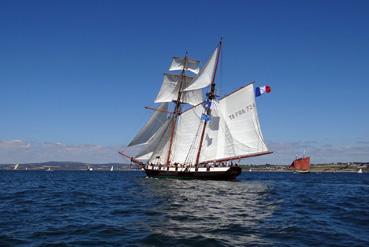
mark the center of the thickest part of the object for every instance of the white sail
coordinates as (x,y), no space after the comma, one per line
(178,63)
(187,136)
(159,153)
(205,77)
(155,122)
(153,144)
(233,130)
(238,132)
(170,88)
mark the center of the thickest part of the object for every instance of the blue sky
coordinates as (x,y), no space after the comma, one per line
(76,74)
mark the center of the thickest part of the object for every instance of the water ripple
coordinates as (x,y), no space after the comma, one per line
(127,209)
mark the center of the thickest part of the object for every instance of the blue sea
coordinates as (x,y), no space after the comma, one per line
(73,208)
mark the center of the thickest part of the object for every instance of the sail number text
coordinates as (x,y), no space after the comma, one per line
(242,111)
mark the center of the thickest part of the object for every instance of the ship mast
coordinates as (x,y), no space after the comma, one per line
(211,95)
(177,109)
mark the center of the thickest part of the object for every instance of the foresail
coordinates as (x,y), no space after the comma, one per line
(160,147)
(170,88)
(238,132)
(157,119)
(147,151)
(205,76)
(178,63)
(187,136)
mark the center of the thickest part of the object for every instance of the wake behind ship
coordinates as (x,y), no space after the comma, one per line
(201,135)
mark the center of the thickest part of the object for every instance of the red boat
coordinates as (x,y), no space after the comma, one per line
(301,165)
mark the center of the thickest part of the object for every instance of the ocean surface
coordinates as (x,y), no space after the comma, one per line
(39,208)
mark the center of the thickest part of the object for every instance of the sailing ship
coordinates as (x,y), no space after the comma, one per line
(112,168)
(301,165)
(203,136)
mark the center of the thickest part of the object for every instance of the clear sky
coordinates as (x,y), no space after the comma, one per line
(75,75)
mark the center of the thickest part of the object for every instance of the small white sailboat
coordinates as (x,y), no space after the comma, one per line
(49,169)
(16,166)
(360,171)
(112,168)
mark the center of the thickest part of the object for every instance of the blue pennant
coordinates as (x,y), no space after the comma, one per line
(205,117)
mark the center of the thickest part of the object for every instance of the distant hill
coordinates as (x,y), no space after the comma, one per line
(70,165)
(67,165)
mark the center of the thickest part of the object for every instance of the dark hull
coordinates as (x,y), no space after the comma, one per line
(230,174)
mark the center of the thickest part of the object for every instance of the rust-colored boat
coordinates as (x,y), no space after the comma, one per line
(301,165)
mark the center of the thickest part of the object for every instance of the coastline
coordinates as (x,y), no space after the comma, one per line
(80,166)
(329,167)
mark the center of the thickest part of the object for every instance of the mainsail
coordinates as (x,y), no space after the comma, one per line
(233,130)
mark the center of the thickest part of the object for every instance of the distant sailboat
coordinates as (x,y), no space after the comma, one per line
(49,169)
(360,171)
(112,168)
(301,165)
(89,168)
(16,166)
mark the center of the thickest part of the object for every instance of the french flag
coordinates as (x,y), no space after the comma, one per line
(261,90)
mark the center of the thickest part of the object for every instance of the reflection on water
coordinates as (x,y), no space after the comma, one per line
(196,209)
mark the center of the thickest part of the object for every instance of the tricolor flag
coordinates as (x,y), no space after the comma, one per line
(261,90)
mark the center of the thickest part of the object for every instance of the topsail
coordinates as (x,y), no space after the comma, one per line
(172,85)
(205,77)
(180,63)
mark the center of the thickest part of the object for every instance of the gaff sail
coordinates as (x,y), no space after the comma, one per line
(232,131)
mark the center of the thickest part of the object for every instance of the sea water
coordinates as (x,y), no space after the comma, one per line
(80,208)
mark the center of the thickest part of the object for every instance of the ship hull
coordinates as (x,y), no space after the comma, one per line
(212,174)
(301,165)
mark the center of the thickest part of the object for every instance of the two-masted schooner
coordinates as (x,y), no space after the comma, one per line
(203,136)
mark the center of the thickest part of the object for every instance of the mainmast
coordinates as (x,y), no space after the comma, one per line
(177,109)
(211,96)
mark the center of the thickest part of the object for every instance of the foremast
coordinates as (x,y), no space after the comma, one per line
(177,110)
